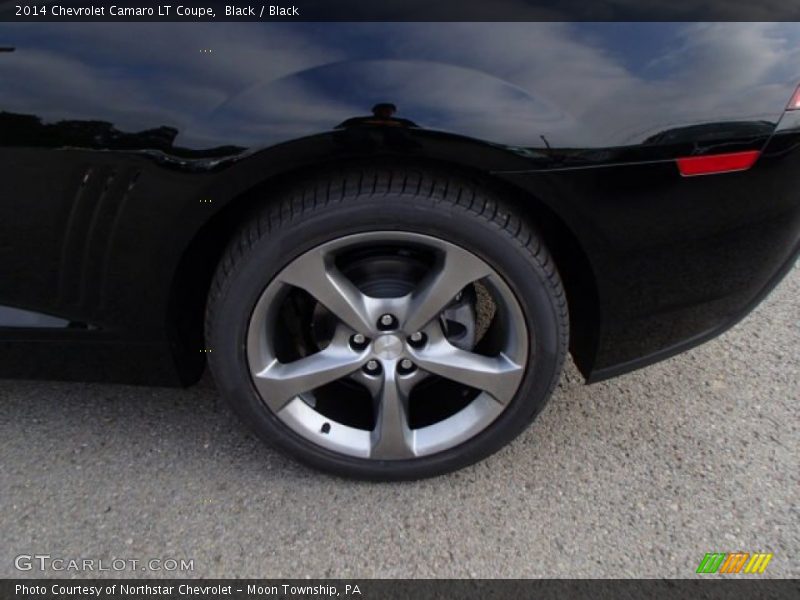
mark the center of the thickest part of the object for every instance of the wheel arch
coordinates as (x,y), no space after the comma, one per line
(200,258)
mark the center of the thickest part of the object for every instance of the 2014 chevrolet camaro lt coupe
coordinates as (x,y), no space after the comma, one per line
(383,238)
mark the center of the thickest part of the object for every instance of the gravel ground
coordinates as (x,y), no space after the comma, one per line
(635,477)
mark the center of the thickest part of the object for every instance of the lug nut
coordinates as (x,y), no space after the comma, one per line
(372,367)
(416,339)
(406,366)
(358,341)
(387,322)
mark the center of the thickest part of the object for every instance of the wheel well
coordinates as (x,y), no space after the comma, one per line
(196,268)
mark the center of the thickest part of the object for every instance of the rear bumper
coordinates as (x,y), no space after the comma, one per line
(683,345)
(676,261)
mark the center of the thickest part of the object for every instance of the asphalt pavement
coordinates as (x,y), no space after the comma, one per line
(639,476)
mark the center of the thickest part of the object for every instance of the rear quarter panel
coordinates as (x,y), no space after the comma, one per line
(112,136)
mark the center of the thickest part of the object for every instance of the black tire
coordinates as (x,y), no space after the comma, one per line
(433,203)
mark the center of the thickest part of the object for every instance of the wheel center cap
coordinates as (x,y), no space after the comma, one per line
(388,347)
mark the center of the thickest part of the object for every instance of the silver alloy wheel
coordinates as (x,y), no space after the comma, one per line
(287,387)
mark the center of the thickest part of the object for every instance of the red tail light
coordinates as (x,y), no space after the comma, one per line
(717,163)
(794,103)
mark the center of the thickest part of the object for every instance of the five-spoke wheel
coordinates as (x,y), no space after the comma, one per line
(389,343)
(386,324)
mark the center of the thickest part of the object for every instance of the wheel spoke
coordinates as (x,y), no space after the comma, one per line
(392,437)
(279,382)
(316,274)
(455,270)
(499,376)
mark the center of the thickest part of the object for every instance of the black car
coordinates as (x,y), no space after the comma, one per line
(383,238)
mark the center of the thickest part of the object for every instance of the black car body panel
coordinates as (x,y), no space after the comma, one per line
(128,154)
